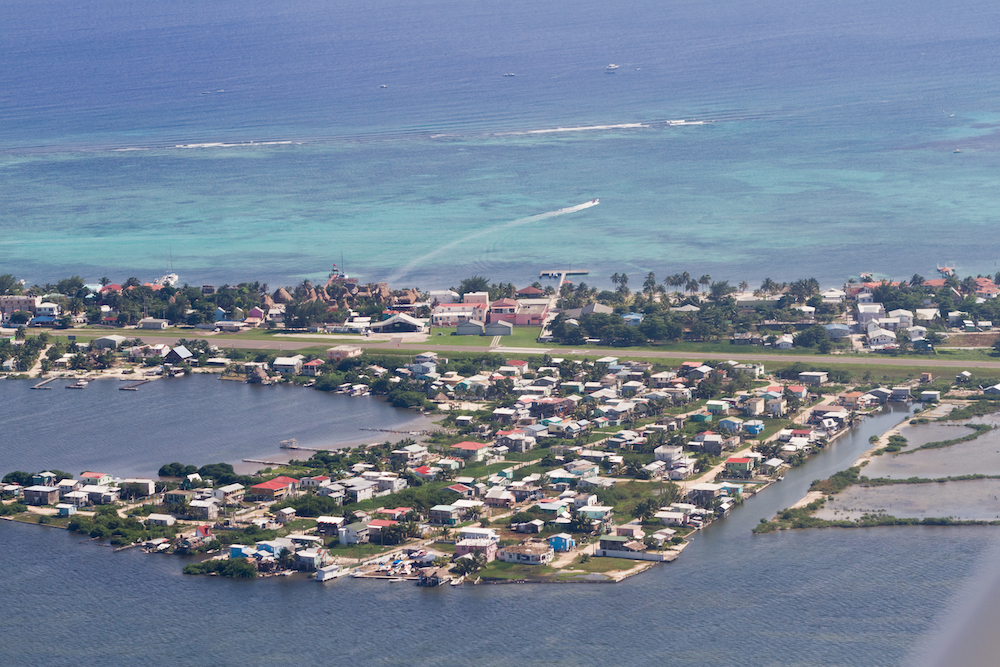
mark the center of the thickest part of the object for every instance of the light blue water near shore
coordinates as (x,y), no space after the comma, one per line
(828,148)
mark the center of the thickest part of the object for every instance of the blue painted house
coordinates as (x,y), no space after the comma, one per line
(754,427)
(731,424)
(241,551)
(633,319)
(562,542)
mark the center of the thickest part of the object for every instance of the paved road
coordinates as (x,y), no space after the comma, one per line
(864,360)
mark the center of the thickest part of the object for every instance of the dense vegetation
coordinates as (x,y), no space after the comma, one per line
(106,524)
(238,568)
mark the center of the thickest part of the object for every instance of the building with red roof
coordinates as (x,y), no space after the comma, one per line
(312,368)
(739,466)
(986,288)
(275,489)
(474,451)
(426,472)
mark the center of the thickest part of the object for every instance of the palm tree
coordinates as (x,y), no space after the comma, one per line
(615,279)
(969,285)
(692,286)
(744,286)
(649,285)
(768,287)
(705,280)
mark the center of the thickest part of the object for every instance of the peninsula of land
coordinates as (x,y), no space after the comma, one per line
(548,462)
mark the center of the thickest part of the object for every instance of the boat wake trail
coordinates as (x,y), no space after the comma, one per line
(406,270)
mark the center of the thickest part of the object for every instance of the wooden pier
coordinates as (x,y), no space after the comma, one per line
(134,386)
(43,383)
(561,274)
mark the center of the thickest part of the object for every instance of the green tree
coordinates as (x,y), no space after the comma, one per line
(9,285)
(473,284)
(302,314)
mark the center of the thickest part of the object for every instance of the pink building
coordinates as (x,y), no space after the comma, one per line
(453,314)
(472,546)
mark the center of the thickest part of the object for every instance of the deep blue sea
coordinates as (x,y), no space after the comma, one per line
(827,146)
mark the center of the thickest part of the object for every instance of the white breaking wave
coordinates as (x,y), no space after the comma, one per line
(620,126)
(246,143)
(404,271)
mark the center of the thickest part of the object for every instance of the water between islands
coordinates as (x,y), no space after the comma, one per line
(822,597)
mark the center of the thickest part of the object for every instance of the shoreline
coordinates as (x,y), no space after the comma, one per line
(805,511)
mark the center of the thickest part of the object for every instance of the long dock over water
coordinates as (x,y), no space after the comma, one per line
(561,274)
(43,383)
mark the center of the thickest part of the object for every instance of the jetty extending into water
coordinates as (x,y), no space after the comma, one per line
(44,384)
(561,274)
(134,386)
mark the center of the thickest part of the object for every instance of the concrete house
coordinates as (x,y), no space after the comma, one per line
(41,495)
(531,553)
(814,378)
(289,365)
(355,533)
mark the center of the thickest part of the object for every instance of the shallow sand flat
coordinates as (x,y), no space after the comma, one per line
(979,456)
(973,499)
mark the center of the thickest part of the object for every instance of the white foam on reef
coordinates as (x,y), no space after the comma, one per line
(404,271)
(619,126)
(219,144)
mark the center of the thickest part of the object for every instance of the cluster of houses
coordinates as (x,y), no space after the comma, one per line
(97,488)
(43,313)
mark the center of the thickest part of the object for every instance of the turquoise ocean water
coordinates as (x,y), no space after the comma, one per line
(827,146)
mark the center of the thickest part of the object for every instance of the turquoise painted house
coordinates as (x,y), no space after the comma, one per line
(754,427)
(717,407)
(701,417)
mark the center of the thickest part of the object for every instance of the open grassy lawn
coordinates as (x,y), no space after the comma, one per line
(500,570)
(359,550)
(298,526)
(446,336)
(520,337)
(31,517)
(601,564)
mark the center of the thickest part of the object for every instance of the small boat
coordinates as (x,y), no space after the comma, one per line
(168,280)
(509,74)
(612,67)
(459,581)
(595,201)
(79,384)
(383,86)
(957,150)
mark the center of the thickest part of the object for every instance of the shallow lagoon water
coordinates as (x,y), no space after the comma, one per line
(815,598)
(967,499)
(979,456)
(194,420)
